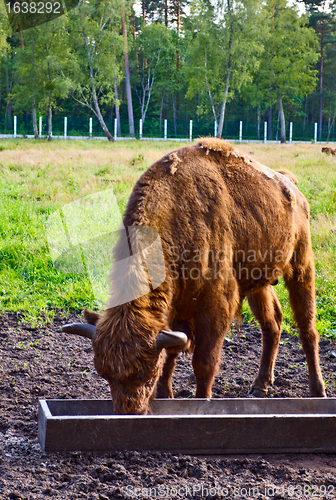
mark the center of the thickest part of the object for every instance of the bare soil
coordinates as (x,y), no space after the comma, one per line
(38,363)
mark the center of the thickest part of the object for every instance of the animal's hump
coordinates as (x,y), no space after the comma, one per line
(214,144)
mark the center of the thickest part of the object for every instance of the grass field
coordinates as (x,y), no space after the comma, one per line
(38,177)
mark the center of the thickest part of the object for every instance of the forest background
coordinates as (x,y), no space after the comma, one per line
(214,62)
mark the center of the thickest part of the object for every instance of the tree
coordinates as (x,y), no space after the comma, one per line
(8,72)
(322,17)
(4,29)
(27,73)
(94,39)
(287,65)
(156,49)
(202,68)
(223,54)
(38,70)
(329,86)
(127,73)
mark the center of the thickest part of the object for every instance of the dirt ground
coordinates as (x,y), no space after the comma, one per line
(38,363)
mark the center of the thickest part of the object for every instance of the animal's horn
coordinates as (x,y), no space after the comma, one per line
(82,329)
(171,339)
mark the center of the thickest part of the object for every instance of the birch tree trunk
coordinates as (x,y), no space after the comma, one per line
(228,73)
(50,122)
(178,60)
(97,111)
(100,116)
(321,84)
(36,134)
(210,95)
(269,124)
(117,106)
(330,128)
(8,112)
(161,107)
(282,119)
(222,113)
(258,118)
(174,115)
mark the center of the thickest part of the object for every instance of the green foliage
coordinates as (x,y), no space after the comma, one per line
(322,18)
(4,29)
(291,49)
(39,65)
(225,47)
(156,58)
(96,44)
(183,62)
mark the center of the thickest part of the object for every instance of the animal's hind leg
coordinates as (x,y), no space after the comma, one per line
(300,281)
(212,323)
(267,310)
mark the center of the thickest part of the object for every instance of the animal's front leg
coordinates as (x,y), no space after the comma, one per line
(267,310)
(212,323)
(164,387)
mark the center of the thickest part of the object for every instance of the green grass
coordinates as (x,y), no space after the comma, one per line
(38,177)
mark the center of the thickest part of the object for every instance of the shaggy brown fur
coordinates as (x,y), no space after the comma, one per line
(229,227)
(329,151)
(289,174)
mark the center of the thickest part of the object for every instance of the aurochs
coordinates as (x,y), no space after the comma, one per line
(208,200)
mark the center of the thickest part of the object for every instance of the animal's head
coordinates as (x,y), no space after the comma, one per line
(129,359)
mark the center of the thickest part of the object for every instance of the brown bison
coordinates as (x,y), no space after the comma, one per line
(329,151)
(229,227)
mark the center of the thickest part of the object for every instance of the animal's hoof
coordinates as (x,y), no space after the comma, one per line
(258,393)
(318,390)
(318,395)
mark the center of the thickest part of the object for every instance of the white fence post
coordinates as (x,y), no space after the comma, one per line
(315,132)
(165,130)
(290,132)
(240,131)
(265,132)
(190,130)
(15,125)
(216,126)
(40,126)
(65,127)
(140,129)
(90,127)
(115,129)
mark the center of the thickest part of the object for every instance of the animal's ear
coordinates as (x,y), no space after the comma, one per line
(171,339)
(91,317)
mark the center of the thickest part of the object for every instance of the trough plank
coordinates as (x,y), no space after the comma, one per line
(219,426)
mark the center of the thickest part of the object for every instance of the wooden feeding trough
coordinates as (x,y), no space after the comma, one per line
(196,426)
